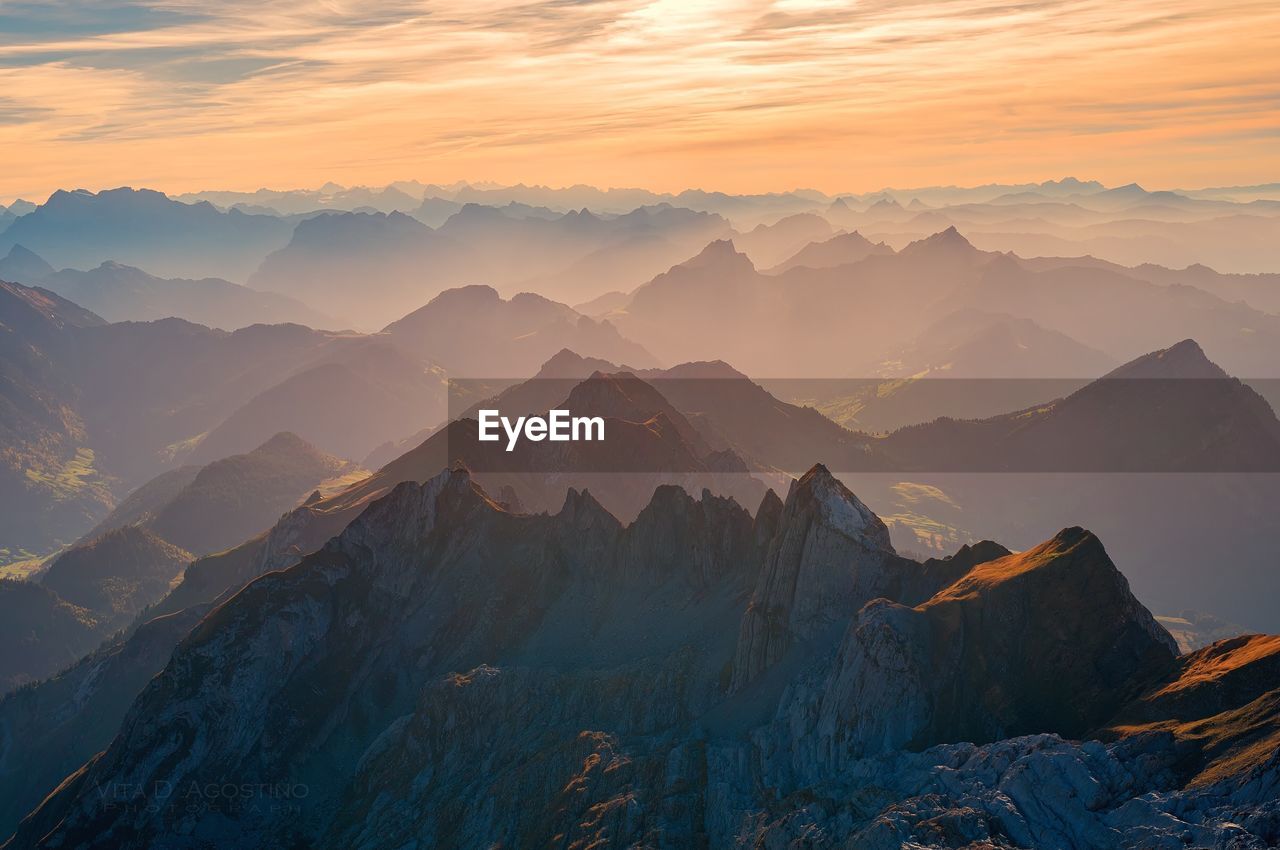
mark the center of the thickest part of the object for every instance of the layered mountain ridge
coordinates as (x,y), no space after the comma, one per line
(565,647)
(600,644)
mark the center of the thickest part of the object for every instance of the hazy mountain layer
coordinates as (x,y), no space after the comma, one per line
(149,230)
(122,293)
(824,322)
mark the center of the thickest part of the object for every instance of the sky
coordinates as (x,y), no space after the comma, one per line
(665,94)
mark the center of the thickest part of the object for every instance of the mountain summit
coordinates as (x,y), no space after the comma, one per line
(442,644)
(1185,360)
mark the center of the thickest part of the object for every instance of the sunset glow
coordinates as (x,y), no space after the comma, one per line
(739,96)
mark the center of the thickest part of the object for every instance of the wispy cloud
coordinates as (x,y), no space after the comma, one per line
(762,94)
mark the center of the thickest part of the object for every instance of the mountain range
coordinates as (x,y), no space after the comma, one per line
(569,257)
(123,293)
(412,241)
(390,711)
(147,229)
(262,584)
(94,409)
(1227,228)
(795,324)
(134,556)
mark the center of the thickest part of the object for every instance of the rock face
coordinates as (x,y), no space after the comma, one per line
(832,555)
(430,579)
(448,673)
(995,654)
(51,728)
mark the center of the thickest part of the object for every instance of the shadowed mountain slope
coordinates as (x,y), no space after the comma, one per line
(41,632)
(383,685)
(118,574)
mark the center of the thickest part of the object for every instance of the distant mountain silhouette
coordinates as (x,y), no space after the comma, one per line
(144,228)
(973,343)
(474,332)
(1207,422)
(770,244)
(23,266)
(236,497)
(350,397)
(100,408)
(797,323)
(839,250)
(123,293)
(365,266)
(1261,291)
(404,263)
(969,364)
(603,304)
(634,248)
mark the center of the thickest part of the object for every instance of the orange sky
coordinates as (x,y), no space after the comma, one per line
(737,96)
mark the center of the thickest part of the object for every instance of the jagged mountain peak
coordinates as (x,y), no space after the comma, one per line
(582,511)
(818,490)
(770,506)
(24,266)
(768,516)
(949,240)
(609,386)
(719,252)
(838,250)
(979,553)
(411,511)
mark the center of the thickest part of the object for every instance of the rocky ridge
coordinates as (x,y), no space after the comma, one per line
(448,672)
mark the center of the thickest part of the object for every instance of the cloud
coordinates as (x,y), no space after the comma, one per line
(817,92)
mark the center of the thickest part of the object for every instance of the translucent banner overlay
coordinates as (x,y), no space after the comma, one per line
(723,425)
